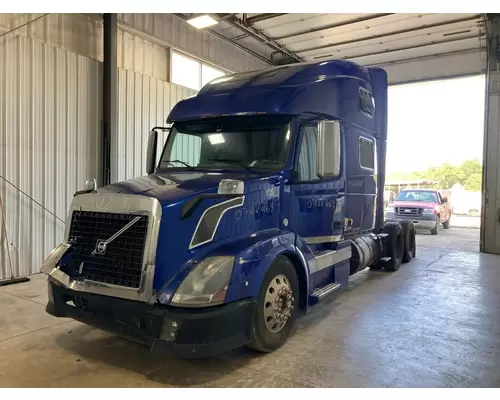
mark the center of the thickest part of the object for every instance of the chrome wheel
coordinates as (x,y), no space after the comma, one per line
(278,304)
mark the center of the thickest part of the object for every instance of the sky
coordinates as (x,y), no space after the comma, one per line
(435,122)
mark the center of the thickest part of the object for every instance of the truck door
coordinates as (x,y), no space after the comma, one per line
(313,207)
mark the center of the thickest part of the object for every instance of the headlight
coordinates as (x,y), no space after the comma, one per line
(389,209)
(428,211)
(206,284)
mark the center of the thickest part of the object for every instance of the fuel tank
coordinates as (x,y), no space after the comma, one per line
(365,252)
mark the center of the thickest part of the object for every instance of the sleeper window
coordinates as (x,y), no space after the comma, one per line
(366,154)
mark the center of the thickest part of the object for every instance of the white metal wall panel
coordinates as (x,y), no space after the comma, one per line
(143,102)
(49,117)
(140,55)
(174,31)
(82,34)
(76,33)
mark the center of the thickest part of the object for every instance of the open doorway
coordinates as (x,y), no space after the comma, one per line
(435,143)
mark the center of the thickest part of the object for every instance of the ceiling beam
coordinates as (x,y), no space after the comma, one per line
(433,43)
(261,17)
(388,34)
(337,25)
(261,37)
(417,58)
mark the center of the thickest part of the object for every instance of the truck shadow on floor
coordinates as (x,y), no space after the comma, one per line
(88,343)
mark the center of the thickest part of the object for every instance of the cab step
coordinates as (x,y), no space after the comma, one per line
(323,291)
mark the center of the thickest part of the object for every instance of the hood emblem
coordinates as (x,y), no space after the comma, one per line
(101,245)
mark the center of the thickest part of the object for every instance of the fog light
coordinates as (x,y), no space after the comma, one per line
(169,330)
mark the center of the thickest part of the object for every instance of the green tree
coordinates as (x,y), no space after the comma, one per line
(468,174)
(473,183)
(470,168)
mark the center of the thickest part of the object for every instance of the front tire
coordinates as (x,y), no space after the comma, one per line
(276,309)
(435,230)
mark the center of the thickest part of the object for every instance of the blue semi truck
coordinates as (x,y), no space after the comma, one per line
(267,196)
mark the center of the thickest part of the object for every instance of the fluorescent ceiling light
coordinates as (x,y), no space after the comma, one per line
(203,21)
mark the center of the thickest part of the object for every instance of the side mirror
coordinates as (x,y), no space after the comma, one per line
(151,155)
(328,149)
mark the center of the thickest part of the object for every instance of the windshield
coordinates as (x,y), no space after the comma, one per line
(257,142)
(416,195)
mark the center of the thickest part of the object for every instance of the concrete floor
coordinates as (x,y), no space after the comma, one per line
(434,323)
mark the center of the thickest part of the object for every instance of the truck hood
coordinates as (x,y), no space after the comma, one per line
(173,189)
(418,204)
(170,187)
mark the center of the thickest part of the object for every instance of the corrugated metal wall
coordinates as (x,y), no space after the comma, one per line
(49,125)
(77,33)
(144,102)
(49,116)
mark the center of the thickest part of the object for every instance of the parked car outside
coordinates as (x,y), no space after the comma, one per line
(467,203)
(426,208)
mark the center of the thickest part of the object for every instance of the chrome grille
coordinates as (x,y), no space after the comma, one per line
(408,211)
(121,263)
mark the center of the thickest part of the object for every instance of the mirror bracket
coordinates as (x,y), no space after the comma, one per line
(153,148)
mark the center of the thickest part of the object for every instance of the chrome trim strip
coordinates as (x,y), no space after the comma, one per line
(239,202)
(119,204)
(330,258)
(322,239)
(117,234)
(326,290)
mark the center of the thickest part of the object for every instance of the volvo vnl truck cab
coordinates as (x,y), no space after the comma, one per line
(266,197)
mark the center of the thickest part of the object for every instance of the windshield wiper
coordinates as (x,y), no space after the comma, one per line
(230,161)
(179,161)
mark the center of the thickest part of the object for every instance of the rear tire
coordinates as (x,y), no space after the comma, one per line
(269,332)
(413,243)
(446,224)
(409,245)
(395,245)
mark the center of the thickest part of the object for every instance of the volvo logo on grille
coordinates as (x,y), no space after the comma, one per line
(101,245)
